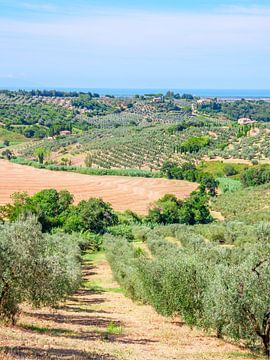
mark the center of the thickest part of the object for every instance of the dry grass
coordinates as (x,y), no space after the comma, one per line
(122,192)
(99,322)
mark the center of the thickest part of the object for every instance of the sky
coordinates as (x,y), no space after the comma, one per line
(183,44)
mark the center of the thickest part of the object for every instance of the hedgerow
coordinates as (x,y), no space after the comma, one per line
(88,171)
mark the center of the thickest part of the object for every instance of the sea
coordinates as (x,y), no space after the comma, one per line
(127,92)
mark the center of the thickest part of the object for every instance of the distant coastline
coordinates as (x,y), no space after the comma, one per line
(121,92)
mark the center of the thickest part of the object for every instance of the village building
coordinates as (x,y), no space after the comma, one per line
(245,121)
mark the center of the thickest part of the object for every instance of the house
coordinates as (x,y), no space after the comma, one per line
(64,133)
(158,99)
(245,121)
(204,101)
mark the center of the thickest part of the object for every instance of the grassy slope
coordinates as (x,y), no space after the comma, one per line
(13,137)
(217,168)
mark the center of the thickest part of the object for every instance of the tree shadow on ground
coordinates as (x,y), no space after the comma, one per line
(88,269)
(83,301)
(80,309)
(100,331)
(68,319)
(53,354)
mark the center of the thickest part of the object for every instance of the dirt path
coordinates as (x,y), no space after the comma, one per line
(100,323)
(123,192)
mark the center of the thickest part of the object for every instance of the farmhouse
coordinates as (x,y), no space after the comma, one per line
(158,99)
(245,121)
(204,101)
(65,132)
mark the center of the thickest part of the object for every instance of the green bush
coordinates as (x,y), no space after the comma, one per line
(256,176)
(122,230)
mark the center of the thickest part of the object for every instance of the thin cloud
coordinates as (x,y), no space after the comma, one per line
(131,46)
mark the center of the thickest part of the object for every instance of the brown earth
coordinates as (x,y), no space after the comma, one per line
(80,329)
(121,191)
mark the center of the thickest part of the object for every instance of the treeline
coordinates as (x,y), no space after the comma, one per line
(256,110)
(55,210)
(48,93)
(222,289)
(189,171)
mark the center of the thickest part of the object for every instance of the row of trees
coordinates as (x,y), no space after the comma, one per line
(47,93)
(209,286)
(55,210)
(37,268)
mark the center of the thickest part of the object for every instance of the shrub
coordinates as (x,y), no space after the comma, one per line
(256,176)
(229,170)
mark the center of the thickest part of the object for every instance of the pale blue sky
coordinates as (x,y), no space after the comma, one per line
(135,44)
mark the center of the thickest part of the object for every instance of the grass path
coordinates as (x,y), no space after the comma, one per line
(99,322)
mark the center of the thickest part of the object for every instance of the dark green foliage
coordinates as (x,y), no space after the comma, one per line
(170,210)
(230,170)
(188,171)
(96,107)
(48,205)
(257,110)
(93,215)
(194,144)
(256,176)
(36,119)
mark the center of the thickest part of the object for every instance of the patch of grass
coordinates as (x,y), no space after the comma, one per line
(216,168)
(229,185)
(48,331)
(114,329)
(94,257)
(236,355)
(13,138)
(97,287)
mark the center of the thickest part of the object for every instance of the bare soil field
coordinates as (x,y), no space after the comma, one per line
(122,192)
(100,323)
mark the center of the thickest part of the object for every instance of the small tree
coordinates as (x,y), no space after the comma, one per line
(93,215)
(88,160)
(7,154)
(40,153)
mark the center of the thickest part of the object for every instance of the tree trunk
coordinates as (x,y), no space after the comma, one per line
(265,340)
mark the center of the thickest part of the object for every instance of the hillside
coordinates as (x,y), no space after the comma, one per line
(147,220)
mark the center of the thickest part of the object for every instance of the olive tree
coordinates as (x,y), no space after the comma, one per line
(34,267)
